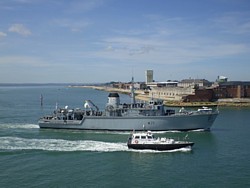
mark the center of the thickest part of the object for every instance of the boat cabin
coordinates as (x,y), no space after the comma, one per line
(143,136)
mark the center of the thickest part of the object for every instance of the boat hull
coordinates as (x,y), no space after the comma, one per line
(153,123)
(160,147)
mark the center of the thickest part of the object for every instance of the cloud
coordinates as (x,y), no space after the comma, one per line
(177,40)
(20,29)
(26,61)
(83,6)
(233,23)
(163,51)
(73,25)
(109,48)
(141,50)
(2,34)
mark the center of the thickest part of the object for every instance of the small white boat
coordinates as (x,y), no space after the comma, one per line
(205,109)
(146,140)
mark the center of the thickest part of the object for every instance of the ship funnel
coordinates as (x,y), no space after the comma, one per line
(113,99)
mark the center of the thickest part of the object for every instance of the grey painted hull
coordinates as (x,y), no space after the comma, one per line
(153,123)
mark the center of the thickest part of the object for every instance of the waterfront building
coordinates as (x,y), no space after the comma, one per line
(201,95)
(172,93)
(194,82)
(149,76)
(126,86)
(233,89)
(221,79)
(190,90)
(163,84)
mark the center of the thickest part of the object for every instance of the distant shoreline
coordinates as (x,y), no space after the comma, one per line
(31,84)
(141,96)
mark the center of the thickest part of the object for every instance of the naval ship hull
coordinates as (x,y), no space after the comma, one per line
(153,123)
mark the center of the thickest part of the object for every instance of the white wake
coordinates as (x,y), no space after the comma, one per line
(17,143)
(19,126)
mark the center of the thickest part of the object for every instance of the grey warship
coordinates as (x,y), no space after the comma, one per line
(136,116)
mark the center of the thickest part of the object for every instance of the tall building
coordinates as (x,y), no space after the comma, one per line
(149,76)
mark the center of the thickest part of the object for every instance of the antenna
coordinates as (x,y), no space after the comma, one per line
(132,91)
(41,100)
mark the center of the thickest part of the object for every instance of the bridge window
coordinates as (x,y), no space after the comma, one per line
(143,137)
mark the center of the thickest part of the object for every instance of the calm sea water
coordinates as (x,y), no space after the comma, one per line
(30,157)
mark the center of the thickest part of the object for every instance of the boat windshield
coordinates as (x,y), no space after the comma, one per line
(143,137)
(150,137)
(137,137)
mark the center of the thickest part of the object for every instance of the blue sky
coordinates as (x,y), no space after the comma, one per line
(87,41)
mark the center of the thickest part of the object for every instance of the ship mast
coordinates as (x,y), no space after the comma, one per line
(132,91)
